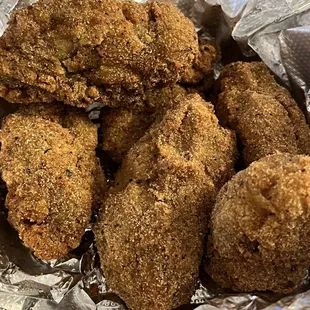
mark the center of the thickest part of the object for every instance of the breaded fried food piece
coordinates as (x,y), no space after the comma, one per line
(201,74)
(53,176)
(122,127)
(260,227)
(263,126)
(151,230)
(83,51)
(189,131)
(263,114)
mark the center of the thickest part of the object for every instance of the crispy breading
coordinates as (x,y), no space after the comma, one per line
(262,124)
(263,114)
(201,74)
(151,230)
(83,51)
(122,127)
(189,131)
(260,227)
(53,176)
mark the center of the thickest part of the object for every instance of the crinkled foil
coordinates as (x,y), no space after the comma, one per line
(279,32)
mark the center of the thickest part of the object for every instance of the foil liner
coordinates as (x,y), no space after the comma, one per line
(276,30)
(6,7)
(279,32)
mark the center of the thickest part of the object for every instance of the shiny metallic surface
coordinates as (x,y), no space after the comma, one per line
(232,8)
(6,7)
(295,51)
(279,32)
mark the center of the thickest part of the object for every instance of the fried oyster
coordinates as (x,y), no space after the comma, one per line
(151,230)
(260,227)
(82,51)
(263,114)
(123,127)
(54,180)
(201,74)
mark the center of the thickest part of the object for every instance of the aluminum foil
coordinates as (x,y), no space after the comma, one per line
(279,31)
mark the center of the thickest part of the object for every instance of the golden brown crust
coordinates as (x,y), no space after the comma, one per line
(189,132)
(52,174)
(260,227)
(262,124)
(84,51)
(201,74)
(151,230)
(263,114)
(122,127)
